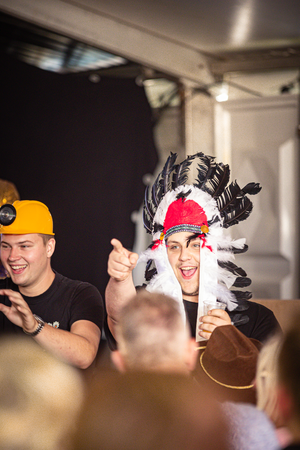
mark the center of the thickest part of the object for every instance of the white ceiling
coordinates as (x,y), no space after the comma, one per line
(210,26)
(253,42)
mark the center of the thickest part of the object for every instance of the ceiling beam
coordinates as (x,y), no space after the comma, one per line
(89,25)
(220,68)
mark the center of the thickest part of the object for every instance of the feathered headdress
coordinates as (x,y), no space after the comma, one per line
(206,207)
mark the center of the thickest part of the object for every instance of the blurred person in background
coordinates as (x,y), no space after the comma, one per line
(151,335)
(40,397)
(148,411)
(266,383)
(226,365)
(288,392)
(8,194)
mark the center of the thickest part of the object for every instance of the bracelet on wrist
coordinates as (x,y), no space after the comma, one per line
(39,328)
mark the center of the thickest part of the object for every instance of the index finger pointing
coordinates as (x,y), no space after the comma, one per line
(117,245)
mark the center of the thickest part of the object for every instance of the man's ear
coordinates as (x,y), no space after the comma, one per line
(285,403)
(50,247)
(191,354)
(118,361)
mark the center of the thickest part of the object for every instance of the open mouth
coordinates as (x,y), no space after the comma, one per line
(188,272)
(17,269)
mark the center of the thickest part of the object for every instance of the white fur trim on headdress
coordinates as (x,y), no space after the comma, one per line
(165,280)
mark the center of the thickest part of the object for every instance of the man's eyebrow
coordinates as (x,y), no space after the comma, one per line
(188,238)
(3,242)
(18,243)
(191,238)
(172,240)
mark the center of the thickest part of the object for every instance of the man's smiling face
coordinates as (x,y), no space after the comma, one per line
(184,256)
(26,259)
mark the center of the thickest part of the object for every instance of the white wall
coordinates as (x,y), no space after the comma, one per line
(258,138)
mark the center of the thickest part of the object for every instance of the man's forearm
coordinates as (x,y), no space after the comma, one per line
(75,349)
(117,294)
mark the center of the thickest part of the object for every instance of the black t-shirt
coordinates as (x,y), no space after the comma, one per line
(65,302)
(256,321)
(295,446)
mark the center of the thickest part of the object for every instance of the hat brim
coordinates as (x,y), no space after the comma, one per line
(222,392)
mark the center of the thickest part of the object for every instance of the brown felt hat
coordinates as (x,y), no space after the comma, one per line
(227,364)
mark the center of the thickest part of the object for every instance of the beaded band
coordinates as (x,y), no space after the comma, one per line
(39,328)
(183,227)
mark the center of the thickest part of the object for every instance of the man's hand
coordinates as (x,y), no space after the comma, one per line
(19,312)
(120,288)
(78,347)
(121,261)
(215,318)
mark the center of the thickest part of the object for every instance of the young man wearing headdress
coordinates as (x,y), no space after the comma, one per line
(63,316)
(190,257)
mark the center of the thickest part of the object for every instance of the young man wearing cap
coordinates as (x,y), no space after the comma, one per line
(62,315)
(191,258)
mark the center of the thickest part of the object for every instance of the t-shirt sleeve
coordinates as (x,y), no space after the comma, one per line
(262,322)
(112,344)
(265,325)
(87,304)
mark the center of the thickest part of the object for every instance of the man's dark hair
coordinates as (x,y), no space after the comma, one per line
(289,363)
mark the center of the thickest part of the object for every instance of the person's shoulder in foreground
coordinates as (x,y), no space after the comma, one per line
(51,309)
(256,321)
(40,396)
(250,429)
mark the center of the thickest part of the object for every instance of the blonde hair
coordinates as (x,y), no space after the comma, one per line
(151,333)
(40,396)
(267,377)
